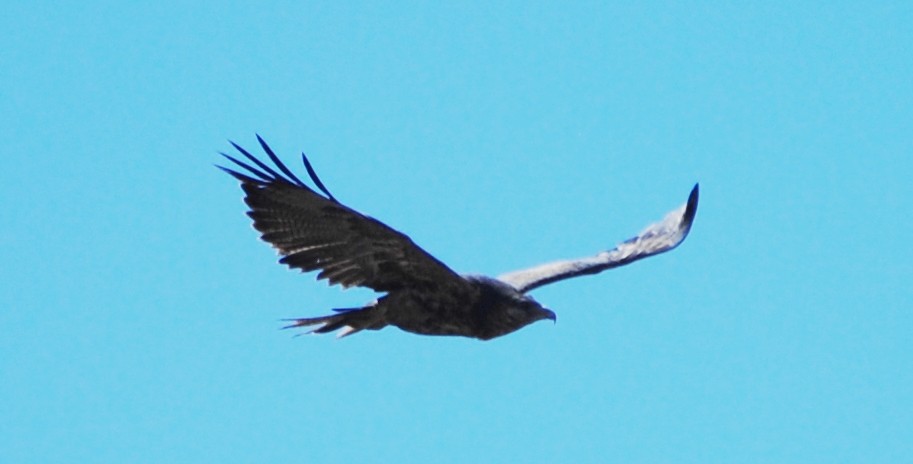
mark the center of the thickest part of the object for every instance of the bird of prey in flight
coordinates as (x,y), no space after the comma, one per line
(314,231)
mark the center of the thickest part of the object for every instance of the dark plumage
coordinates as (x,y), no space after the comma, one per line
(315,232)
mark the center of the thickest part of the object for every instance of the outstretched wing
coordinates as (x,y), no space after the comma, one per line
(657,238)
(313,232)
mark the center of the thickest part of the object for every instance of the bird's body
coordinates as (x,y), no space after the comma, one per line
(481,309)
(421,294)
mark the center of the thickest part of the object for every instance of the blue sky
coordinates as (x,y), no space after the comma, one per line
(140,311)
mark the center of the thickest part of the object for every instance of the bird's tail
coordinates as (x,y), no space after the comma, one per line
(350,320)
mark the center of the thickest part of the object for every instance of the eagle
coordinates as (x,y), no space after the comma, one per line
(313,231)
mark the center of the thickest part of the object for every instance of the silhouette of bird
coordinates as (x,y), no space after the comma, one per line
(315,232)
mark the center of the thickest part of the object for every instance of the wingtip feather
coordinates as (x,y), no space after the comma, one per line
(691,206)
(313,174)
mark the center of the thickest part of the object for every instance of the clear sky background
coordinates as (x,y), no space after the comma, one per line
(140,312)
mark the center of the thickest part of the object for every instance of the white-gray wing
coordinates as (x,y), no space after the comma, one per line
(657,238)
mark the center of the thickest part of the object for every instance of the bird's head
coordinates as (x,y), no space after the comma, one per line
(528,310)
(512,314)
(504,309)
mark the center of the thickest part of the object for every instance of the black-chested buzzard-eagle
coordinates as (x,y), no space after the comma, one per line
(421,294)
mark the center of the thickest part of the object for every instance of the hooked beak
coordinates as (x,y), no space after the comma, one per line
(549,314)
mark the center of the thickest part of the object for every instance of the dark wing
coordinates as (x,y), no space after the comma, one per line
(314,232)
(657,238)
